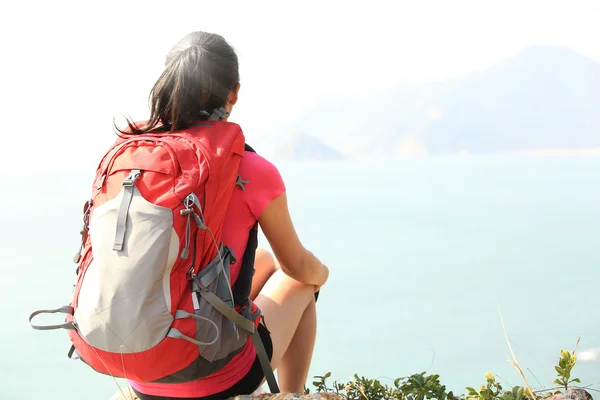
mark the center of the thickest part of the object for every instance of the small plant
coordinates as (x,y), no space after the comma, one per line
(565,365)
(321,385)
(414,387)
(421,386)
(428,387)
(492,390)
(489,391)
(367,389)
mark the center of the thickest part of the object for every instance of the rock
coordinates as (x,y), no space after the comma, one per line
(292,396)
(129,395)
(127,391)
(571,394)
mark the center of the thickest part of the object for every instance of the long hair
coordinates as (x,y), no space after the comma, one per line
(200,72)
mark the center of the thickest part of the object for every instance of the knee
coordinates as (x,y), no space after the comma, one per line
(265,261)
(294,285)
(281,289)
(263,255)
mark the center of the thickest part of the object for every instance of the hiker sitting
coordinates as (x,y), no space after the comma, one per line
(173,293)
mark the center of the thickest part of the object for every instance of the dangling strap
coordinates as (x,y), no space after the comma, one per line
(263,357)
(246,325)
(71,352)
(121,229)
(64,310)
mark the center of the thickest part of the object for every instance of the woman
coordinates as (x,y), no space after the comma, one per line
(201,75)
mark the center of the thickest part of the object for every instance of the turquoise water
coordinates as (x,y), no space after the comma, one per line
(421,251)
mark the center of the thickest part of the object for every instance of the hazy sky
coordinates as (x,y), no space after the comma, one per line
(86,62)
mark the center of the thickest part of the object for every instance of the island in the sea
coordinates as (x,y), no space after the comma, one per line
(542,100)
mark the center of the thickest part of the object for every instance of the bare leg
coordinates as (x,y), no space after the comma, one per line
(293,369)
(288,307)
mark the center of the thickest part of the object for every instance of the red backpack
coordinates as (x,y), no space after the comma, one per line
(153,300)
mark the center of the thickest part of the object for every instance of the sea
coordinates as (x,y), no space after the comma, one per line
(427,257)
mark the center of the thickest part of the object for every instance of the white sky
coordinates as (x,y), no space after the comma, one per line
(88,62)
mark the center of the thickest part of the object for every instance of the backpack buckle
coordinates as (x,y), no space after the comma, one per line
(218,114)
(132,177)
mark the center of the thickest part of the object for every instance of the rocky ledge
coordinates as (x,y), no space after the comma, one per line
(289,396)
(571,394)
(129,395)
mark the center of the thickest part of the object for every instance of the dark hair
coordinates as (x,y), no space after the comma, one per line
(200,72)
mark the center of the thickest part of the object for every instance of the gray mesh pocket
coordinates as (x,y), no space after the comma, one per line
(216,279)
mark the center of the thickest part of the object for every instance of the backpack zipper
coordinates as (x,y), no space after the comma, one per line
(121,146)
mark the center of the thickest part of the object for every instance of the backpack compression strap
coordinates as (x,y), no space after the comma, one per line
(243,323)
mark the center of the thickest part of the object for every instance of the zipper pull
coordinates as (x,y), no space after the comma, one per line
(187,212)
(101,183)
(199,221)
(77,256)
(241,182)
(186,249)
(84,229)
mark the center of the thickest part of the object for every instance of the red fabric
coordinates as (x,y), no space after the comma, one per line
(210,161)
(264,185)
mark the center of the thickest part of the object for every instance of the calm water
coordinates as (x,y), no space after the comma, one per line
(421,251)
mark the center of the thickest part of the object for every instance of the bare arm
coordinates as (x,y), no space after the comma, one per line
(296,261)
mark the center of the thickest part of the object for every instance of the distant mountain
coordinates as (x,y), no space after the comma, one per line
(542,98)
(301,147)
